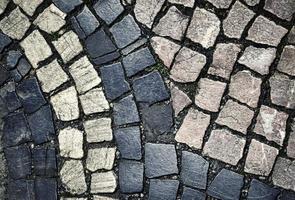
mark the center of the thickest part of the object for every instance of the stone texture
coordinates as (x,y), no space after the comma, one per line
(194,170)
(187,66)
(203,28)
(282,9)
(265,31)
(98,130)
(94,101)
(165,49)
(36,48)
(73,177)
(237,19)
(20,189)
(189,193)
(286,63)
(15,25)
(252,2)
(282,90)
(68,46)
(13,58)
(3,5)
(51,19)
(258,59)
(23,66)
(163,189)
(291,141)
(291,36)
(283,174)
(103,182)
(224,58)
(260,158)
(140,42)
(51,76)
(108,10)
(209,94)
(28,7)
(259,190)
(193,128)
(186,3)
(65,104)
(160,160)
(4,41)
(71,143)
(173,24)
(100,158)
(235,116)
(44,161)
(223,145)
(271,124)
(146,11)
(67,6)
(46,188)
(179,99)
(221,3)
(245,87)
(9,97)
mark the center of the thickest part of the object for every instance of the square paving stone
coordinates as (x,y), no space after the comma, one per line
(100,158)
(163,189)
(129,142)
(46,188)
(67,6)
(108,10)
(44,161)
(160,160)
(226,185)
(18,161)
(261,191)
(9,97)
(125,32)
(125,111)
(4,41)
(98,130)
(283,174)
(150,88)
(21,189)
(103,182)
(191,194)
(114,80)
(131,176)
(282,9)
(138,61)
(286,63)
(194,170)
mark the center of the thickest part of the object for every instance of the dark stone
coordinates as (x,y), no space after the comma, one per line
(138,61)
(160,160)
(44,161)
(30,94)
(23,67)
(125,111)
(3,111)
(9,97)
(288,195)
(114,80)
(108,10)
(129,142)
(4,41)
(4,75)
(12,58)
(191,194)
(46,189)
(15,130)
(15,75)
(150,88)
(261,191)
(21,189)
(99,44)
(130,176)
(194,170)
(41,125)
(66,5)
(18,161)
(163,189)
(226,185)
(125,32)
(106,58)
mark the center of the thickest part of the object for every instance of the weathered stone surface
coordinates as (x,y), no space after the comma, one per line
(65,104)
(21,189)
(271,124)
(235,116)
(94,101)
(189,193)
(125,32)
(46,188)
(160,160)
(237,19)
(100,158)
(194,170)
(108,10)
(9,97)
(258,59)
(146,11)
(186,3)
(224,58)
(266,32)
(291,141)
(223,145)
(97,197)
(193,128)
(179,99)
(140,42)
(226,185)
(203,28)
(67,6)
(173,24)
(44,161)
(260,158)
(71,143)
(259,190)
(13,58)
(187,65)
(36,48)
(104,182)
(23,67)
(286,63)
(221,3)
(51,19)
(4,41)
(98,130)
(3,5)
(28,7)
(282,9)
(131,176)
(165,49)
(163,189)
(51,76)
(282,90)
(73,177)
(3,173)
(129,142)
(288,195)
(209,94)
(283,174)
(252,2)
(291,36)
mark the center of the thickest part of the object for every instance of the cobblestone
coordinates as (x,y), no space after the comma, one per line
(108,10)
(98,130)
(179,99)
(163,189)
(291,141)
(103,182)
(189,193)
(286,63)
(3,5)
(221,3)
(28,7)
(252,2)
(284,9)
(283,173)
(259,190)
(66,6)
(186,3)
(100,158)
(291,36)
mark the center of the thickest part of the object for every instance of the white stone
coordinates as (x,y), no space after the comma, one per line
(96,197)
(186,3)
(104,182)
(98,130)
(28,6)
(3,5)
(100,158)
(70,143)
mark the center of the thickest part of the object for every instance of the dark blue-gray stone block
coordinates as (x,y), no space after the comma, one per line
(261,191)
(66,5)
(9,97)
(46,189)
(106,58)
(288,195)
(12,58)
(4,41)
(23,67)
(44,161)
(4,74)
(21,189)
(163,189)
(191,194)
(108,10)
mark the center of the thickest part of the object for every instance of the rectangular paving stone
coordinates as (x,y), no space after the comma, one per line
(100,158)
(189,193)
(46,188)
(67,6)
(282,9)
(283,174)
(259,190)
(21,189)
(44,161)
(286,63)
(108,10)
(163,189)
(9,97)
(103,182)
(98,130)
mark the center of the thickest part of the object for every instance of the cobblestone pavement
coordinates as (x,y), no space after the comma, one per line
(147,99)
